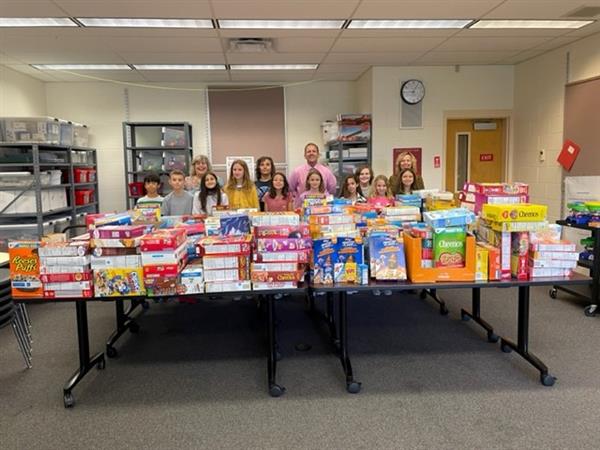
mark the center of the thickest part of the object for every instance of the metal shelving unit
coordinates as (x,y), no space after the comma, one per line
(36,158)
(346,164)
(143,141)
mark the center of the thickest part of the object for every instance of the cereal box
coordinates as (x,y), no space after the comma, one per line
(192,279)
(282,245)
(171,256)
(519,256)
(386,258)
(273,285)
(164,239)
(82,293)
(525,212)
(104,251)
(324,259)
(119,231)
(24,267)
(226,245)
(63,249)
(226,275)
(227,286)
(226,262)
(275,219)
(234,224)
(349,256)
(481,263)
(449,218)
(278,276)
(497,188)
(494,268)
(161,271)
(449,247)
(161,286)
(301,257)
(116,282)
(282,231)
(115,243)
(64,277)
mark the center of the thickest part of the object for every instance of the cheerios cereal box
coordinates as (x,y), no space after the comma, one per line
(449,247)
(24,264)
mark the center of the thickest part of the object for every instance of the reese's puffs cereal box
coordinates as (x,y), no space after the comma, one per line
(24,264)
(449,247)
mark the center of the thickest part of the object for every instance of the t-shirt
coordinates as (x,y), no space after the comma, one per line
(149,202)
(262,188)
(380,202)
(277,204)
(242,198)
(211,203)
(177,205)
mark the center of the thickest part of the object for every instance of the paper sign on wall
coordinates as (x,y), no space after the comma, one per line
(484,157)
(568,154)
(437,162)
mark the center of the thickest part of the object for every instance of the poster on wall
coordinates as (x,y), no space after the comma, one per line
(413,152)
(247,159)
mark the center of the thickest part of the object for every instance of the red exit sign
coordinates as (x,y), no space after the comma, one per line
(486,157)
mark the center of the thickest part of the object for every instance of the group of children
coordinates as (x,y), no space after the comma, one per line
(270,192)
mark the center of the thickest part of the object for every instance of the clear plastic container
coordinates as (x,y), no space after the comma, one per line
(66,133)
(152,161)
(44,130)
(174,160)
(81,135)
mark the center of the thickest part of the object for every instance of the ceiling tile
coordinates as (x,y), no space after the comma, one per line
(274,58)
(342,68)
(284,9)
(389,44)
(522,56)
(379,58)
(586,31)
(557,42)
(463,58)
(30,8)
(175,9)
(327,76)
(184,75)
(8,60)
(303,45)
(491,44)
(424,9)
(35,73)
(537,9)
(172,44)
(172,58)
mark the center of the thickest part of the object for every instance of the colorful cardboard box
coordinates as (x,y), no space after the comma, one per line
(24,266)
(497,188)
(115,282)
(192,278)
(119,231)
(386,258)
(449,247)
(349,257)
(324,259)
(164,239)
(481,263)
(525,212)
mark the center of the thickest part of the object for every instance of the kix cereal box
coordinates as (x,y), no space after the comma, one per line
(24,263)
(449,247)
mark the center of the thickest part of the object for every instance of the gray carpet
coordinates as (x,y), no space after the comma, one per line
(195,377)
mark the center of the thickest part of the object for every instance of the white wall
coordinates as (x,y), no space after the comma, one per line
(472,88)
(539,107)
(364,92)
(21,95)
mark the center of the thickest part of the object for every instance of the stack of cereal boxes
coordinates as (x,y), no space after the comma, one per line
(332,220)
(116,261)
(226,263)
(475,195)
(549,256)
(449,235)
(65,269)
(164,253)
(281,251)
(338,260)
(426,234)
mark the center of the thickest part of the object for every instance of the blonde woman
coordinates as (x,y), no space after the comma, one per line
(200,166)
(406,160)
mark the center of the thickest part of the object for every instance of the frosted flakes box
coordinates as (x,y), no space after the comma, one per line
(449,247)
(324,259)
(24,266)
(116,282)
(525,212)
(386,258)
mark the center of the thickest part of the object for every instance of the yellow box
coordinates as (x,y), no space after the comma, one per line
(118,282)
(523,212)
(481,263)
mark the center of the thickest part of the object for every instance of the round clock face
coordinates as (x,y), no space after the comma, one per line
(412,91)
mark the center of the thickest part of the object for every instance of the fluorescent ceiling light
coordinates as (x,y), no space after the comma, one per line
(179,66)
(81,66)
(274,66)
(36,22)
(392,24)
(531,23)
(145,23)
(283,24)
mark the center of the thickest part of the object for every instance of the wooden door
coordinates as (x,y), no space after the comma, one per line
(485,148)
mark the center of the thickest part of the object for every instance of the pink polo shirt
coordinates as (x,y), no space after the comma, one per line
(298,176)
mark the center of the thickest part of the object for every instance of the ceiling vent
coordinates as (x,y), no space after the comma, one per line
(250,45)
(585,12)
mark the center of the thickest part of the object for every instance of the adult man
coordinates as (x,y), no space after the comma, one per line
(297,179)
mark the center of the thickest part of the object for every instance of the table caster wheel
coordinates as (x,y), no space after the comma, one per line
(353,387)
(547,379)
(493,337)
(69,400)
(111,352)
(423,294)
(464,317)
(443,310)
(505,348)
(276,391)
(101,364)
(590,310)
(134,327)
(553,293)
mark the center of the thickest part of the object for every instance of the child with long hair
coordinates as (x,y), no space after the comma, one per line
(314,185)
(351,191)
(239,188)
(279,197)
(364,178)
(209,196)
(380,195)
(406,182)
(265,171)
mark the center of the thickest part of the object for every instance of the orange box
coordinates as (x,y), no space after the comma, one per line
(24,263)
(418,274)
(494,266)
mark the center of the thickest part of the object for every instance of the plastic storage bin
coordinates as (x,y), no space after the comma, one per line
(173,137)
(152,161)
(81,137)
(174,160)
(25,203)
(136,189)
(84,175)
(44,130)
(84,196)
(66,133)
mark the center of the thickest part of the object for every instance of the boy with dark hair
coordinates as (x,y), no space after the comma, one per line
(151,199)
(179,202)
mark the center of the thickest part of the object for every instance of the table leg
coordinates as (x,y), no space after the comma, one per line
(124,322)
(433,294)
(522,345)
(475,314)
(85,362)
(275,390)
(352,386)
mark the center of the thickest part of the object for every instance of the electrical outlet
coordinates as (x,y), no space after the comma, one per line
(542,155)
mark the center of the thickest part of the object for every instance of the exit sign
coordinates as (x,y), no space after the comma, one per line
(486,157)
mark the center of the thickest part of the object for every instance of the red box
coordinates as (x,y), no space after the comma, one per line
(496,188)
(80,174)
(84,196)
(282,231)
(166,239)
(65,277)
(163,270)
(136,189)
(119,231)
(226,245)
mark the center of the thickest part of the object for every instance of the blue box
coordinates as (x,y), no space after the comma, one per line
(386,258)
(324,259)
